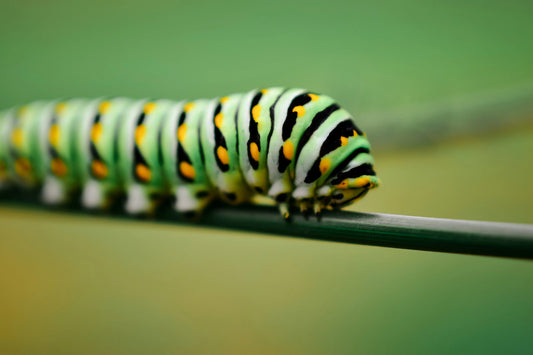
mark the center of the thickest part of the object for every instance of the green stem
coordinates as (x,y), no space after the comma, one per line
(407,232)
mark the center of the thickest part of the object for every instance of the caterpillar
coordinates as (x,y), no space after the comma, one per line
(297,147)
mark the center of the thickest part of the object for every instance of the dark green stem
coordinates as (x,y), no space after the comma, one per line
(431,234)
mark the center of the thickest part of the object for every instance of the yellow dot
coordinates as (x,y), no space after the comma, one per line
(313,97)
(182,131)
(300,111)
(60,107)
(256,111)
(143,172)
(96,132)
(264,91)
(17,137)
(224,99)
(149,107)
(361,181)
(254,151)
(99,169)
(187,170)
(344,140)
(325,163)
(58,167)
(354,133)
(342,185)
(218,120)
(23,167)
(104,107)
(140,132)
(223,156)
(288,150)
(53,135)
(189,106)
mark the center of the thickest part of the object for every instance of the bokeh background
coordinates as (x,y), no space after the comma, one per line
(444,88)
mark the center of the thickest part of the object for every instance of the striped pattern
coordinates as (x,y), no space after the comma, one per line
(297,147)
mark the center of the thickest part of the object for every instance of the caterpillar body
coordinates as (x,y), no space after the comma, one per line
(297,147)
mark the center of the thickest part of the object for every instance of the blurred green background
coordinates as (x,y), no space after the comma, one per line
(86,285)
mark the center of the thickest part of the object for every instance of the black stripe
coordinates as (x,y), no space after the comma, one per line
(141,118)
(361,170)
(217,110)
(290,118)
(348,159)
(138,159)
(220,141)
(347,202)
(333,141)
(51,150)
(181,118)
(254,132)
(182,157)
(314,173)
(200,146)
(283,162)
(93,152)
(317,121)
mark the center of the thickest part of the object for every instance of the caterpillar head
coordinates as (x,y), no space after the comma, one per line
(348,185)
(351,189)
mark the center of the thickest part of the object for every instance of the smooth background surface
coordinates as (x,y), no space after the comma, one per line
(80,284)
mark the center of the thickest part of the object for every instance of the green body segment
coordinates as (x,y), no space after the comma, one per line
(298,147)
(62,177)
(254,126)
(219,142)
(139,154)
(183,157)
(97,151)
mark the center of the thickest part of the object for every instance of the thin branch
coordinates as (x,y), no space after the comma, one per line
(407,232)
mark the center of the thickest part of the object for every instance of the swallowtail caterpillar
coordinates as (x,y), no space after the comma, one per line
(299,148)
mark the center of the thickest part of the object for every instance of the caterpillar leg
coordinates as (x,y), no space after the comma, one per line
(139,200)
(191,201)
(280,191)
(95,196)
(54,191)
(284,210)
(317,207)
(305,206)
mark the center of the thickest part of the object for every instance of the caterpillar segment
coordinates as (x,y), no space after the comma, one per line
(139,155)
(254,124)
(184,159)
(219,140)
(297,147)
(61,177)
(97,146)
